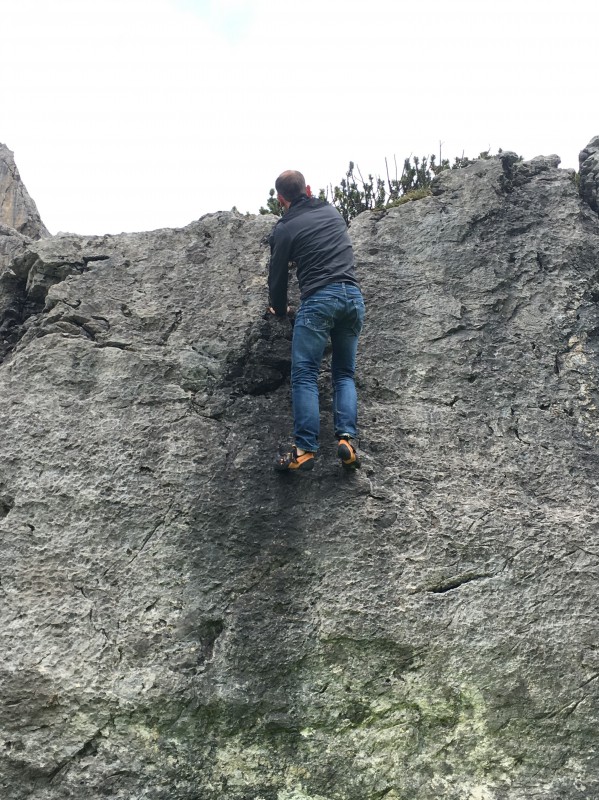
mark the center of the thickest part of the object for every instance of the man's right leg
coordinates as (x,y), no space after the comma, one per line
(344,337)
(307,350)
(345,399)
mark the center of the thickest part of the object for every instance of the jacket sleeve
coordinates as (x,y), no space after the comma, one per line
(280,255)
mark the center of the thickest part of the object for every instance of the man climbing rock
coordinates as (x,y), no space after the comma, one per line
(312,234)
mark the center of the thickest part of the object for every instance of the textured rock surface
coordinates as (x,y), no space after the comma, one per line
(19,223)
(183,623)
(12,288)
(589,173)
(17,209)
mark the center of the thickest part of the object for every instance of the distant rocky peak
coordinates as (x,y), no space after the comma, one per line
(17,209)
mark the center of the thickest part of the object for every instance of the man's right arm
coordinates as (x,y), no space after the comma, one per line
(280,252)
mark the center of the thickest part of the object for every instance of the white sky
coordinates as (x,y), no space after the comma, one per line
(137,114)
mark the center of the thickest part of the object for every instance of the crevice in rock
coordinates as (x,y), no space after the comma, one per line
(6,504)
(507,164)
(476,224)
(88,748)
(116,345)
(24,300)
(172,328)
(88,259)
(590,680)
(518,437)
(209,632)
(588,160)
(556,364)
(457,329)
(455,583)
(264,363)
(13,294)
(164,523)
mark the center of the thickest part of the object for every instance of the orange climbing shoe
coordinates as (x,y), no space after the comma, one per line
(347,453)
(290,461)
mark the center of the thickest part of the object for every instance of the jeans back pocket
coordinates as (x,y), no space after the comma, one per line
(317,313)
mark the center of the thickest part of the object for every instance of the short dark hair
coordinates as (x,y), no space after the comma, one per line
(290,184)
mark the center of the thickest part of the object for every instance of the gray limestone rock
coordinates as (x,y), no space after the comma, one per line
(17,209)
(181,623)
(19,223)
(13,246)
(589,173)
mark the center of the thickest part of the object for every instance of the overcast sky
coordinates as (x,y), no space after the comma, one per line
(138,114)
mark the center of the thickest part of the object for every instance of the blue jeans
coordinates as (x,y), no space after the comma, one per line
(336,312)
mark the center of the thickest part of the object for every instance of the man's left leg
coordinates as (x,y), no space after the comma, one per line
(307,350)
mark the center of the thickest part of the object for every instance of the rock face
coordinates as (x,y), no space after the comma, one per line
(589,173)
(181,623)
(17,209)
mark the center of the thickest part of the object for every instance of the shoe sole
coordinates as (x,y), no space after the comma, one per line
(305,466)
(349,458)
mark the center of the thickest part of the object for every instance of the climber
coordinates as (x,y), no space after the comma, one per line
(313,235)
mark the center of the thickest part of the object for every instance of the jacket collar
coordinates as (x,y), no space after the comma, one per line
(300,199)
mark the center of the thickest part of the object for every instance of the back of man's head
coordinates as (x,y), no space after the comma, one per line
(291,185)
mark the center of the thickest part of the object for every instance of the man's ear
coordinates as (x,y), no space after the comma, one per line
(308,191)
